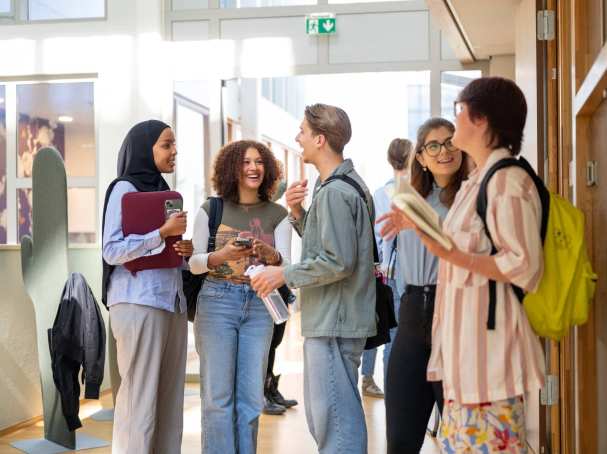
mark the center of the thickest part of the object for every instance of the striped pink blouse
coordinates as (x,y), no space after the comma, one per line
(477,365)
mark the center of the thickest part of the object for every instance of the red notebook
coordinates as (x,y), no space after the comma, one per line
(143,212)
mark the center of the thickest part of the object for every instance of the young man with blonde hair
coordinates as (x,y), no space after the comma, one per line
(336,278)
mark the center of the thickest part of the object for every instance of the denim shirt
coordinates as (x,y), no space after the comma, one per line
(382,202)
(159,288)
(336,272)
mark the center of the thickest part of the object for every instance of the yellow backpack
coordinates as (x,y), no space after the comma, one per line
(568,284)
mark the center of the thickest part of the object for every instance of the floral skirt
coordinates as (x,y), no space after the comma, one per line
(484,428)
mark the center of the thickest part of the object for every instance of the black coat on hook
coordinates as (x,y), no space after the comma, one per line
(77,339)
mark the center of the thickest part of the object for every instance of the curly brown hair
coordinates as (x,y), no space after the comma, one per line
(228,167)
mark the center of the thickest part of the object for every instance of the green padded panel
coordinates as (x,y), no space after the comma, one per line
(45,270)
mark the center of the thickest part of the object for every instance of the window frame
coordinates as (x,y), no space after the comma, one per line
(204,111)
(11,13)
(20,15)
(13,182)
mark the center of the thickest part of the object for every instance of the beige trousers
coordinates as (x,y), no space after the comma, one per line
(151,348)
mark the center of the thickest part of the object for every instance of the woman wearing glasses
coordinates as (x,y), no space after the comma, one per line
(488,360)
(437,171)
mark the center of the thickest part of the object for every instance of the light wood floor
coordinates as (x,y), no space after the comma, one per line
(278,434)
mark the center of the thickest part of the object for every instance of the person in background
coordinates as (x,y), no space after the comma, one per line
(337,282)
(148,313)
(398,157)
(274,402)
(488,364)
(233,328)
(437,170)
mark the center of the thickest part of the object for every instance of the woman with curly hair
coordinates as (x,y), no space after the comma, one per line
(233,328)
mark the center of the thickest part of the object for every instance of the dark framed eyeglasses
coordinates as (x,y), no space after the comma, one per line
(433,148)
(458,106)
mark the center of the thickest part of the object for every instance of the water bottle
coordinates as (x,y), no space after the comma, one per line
(274,304)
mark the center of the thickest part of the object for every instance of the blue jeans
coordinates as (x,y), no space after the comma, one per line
(233,332)
(369,356)
(333,405)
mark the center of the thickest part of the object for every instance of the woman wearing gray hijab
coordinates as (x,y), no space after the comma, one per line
(147,309)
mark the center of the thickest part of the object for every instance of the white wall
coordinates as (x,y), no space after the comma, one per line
(135,69)
(525,73)
(131,86)
(503,66)
(277,124)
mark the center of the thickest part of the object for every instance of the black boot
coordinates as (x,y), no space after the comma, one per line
(277,396)
(270,407)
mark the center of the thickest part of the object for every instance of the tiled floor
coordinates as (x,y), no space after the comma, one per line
(277,435)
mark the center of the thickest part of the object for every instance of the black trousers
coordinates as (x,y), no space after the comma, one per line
(409,396)
(279,332)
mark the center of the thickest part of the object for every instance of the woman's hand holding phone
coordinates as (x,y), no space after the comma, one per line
(229,253)
(175,225)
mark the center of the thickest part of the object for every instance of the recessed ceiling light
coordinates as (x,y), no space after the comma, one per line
(65,119)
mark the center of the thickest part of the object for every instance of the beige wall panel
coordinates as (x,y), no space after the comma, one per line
(503,66)
(289,33)
(380,37)
(191,30)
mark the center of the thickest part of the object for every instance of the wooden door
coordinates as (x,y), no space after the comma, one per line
(582,141)
(576,137)
(551,165)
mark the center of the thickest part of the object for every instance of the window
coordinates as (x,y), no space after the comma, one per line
(58,115)
(180,5)
(418,102)
(257,3)
(234,130)
(191,126)
(3,209)
(65,9)
(287,93)
(6,8)
(361,1)
(451,84)
(191,131)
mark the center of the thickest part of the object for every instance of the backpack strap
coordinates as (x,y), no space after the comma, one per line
(481,210)
(393,257)
(216,212)
(352,182)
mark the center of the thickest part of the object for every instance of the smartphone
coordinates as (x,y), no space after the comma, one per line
(172,206)
(247,242)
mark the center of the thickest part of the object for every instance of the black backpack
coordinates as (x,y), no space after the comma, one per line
(192,283)
(384,299)
(481,210)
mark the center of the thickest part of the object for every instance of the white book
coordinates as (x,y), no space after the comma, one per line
(406,198)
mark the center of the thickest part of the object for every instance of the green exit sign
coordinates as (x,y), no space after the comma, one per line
(321,25)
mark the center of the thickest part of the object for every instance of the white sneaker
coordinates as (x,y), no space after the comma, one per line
(370,388)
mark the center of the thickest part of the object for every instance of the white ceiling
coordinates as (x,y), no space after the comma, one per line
(488,25)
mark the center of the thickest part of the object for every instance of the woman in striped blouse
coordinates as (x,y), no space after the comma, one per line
(437,169)
(487,372)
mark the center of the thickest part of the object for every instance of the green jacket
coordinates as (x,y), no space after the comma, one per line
(336,272)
